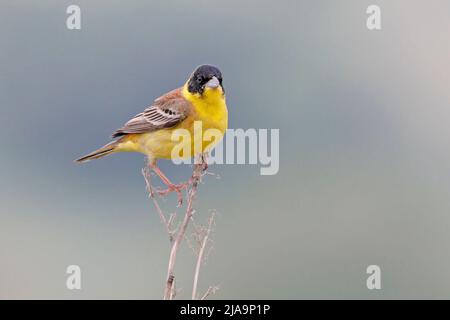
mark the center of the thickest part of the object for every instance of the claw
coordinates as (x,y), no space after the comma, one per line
(171,187)
(174,188)
(204,162)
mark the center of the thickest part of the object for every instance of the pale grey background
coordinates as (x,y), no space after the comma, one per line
(365,148)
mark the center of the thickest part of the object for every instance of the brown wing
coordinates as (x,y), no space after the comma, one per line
(165,112)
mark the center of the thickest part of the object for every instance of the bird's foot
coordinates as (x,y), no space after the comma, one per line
(174,188)
(204,166)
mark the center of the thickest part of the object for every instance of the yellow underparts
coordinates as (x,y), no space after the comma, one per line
(210,112)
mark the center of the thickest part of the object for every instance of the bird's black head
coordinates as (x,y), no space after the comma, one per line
(205,77)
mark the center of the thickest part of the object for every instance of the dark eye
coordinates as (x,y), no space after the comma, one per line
(199,79)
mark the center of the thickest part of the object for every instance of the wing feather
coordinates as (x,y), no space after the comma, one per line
(165,112)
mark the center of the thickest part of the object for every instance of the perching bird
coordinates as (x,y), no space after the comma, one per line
(202,98)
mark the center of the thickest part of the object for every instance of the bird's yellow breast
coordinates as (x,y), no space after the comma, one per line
(210,109)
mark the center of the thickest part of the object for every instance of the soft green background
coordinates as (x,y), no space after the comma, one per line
(364,163)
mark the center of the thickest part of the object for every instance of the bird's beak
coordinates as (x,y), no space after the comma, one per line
(213,83)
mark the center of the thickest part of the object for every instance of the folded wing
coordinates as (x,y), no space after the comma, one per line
(165,112)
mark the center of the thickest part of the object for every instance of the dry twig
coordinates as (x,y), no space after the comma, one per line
(209,292)
(203,238)
(177,235)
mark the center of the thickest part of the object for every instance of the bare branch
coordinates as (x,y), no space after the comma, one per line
(167,223)
(203,243)
(209,292)
(200,236)
(196,178)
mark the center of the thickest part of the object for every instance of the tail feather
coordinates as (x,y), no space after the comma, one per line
(103,151)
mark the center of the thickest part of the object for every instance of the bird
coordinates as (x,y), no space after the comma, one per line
(200,99)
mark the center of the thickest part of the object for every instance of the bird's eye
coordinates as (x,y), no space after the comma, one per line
(199,79)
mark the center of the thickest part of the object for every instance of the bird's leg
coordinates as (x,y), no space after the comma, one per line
(204,159)
(170,186)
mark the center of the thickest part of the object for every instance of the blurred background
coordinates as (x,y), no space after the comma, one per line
(364,148)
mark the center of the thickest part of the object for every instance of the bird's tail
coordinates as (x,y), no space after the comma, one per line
(103,151)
